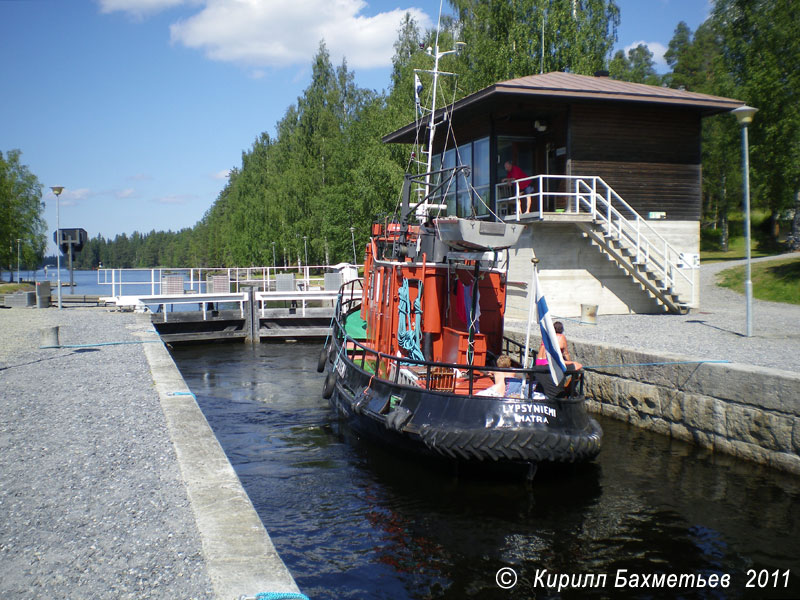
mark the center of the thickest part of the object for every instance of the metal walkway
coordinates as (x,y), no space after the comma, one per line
(218,304)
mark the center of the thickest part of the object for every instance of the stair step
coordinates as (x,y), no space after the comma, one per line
(647,270)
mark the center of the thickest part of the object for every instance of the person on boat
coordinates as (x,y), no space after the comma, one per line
(514,173)
(499,387)
(541,357)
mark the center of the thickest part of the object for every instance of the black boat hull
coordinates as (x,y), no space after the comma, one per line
(461,428)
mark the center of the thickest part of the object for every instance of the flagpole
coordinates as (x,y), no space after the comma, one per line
(531,304)
(549,338)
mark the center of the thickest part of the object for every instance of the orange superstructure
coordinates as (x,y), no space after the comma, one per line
(445,293)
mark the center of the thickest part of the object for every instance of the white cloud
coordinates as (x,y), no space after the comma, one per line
(221,174)
(657,48)
(126,193)
(279,33)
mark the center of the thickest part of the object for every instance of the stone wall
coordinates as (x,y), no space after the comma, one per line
(748,412)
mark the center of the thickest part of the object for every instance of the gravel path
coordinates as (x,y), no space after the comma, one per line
(715,331)
(91,497)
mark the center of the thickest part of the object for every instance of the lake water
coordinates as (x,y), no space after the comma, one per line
(351,520)
(87,282)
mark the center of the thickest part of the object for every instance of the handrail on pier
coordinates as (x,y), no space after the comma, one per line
(203,280)
(203,286)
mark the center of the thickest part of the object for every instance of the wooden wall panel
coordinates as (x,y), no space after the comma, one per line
(650,157)
(673,189)
(624,133)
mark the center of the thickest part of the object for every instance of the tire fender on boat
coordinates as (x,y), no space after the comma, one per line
(323,359)
(398,418)
(330,383)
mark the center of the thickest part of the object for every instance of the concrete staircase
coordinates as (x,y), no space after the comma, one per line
(644,272)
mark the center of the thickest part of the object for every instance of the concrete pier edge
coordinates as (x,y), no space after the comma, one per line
(239,553)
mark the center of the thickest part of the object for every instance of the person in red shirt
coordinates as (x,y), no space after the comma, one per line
(514,173)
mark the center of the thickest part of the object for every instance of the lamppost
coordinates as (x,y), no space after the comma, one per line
(305,245)
(18,241)
(744,114)
(273,255)
(353,237)
(57,191)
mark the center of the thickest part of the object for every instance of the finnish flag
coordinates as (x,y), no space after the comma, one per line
(417,88)
(554,359)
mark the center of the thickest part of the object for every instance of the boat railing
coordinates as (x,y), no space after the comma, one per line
(350,295)
(428,374)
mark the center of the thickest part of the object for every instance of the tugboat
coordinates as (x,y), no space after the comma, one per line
(416,356)
(417,359)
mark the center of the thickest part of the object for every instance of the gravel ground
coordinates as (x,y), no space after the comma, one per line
(715,331)
(91,496)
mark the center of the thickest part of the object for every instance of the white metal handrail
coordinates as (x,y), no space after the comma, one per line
(591,195)
(198,280)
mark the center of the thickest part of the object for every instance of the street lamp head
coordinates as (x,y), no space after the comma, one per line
(57,189)
(744,114)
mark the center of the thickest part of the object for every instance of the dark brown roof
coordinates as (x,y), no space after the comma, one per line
(570,87)
(583,86)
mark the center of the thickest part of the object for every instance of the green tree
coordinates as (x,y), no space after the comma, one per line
(21,211)
(697,65)
(637,67)
(514,39)
(761,51)
(683,67)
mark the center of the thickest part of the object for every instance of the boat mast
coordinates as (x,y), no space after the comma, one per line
(423,206)
(432,125)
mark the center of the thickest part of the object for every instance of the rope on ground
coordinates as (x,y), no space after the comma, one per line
(276,596)
(655,364)
(102,344)
(182,394)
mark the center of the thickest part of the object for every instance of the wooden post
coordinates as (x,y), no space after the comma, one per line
(252,321)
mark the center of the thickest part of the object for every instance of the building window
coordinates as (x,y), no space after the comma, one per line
(466,196)
(481,166)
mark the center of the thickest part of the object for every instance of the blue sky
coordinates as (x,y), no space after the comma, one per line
(140,107)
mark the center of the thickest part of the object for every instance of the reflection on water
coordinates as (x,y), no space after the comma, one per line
(353,521)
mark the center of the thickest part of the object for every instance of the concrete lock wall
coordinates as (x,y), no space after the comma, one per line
(748,412)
